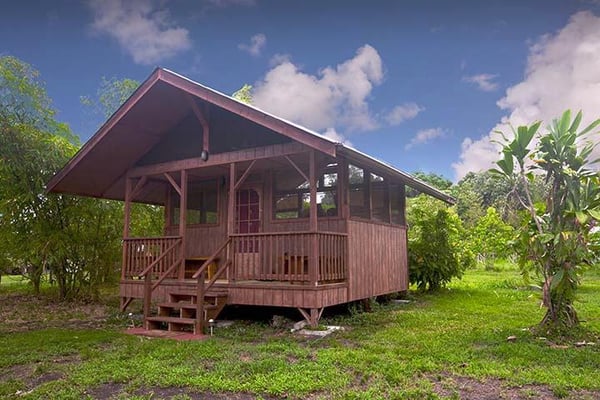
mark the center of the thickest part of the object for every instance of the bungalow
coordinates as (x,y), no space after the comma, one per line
(258,211)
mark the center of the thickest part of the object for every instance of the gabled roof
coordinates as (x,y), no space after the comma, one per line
(99,168)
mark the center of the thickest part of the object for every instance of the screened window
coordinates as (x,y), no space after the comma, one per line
(359,196)
(292,194)
(380,210)
(397,204)
(202,204)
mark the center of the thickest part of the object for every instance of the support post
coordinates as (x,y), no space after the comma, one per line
(343,189)
(183,220)
(231,205)
(199,325)
(126,223)
(147,298)
(313,264)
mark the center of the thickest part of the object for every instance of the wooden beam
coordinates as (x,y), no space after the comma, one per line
(173,183)
(297,168)
(126,222)
(231,200)
(256,153)
(183,219)
(244,175)
(203,121)
(138,186)
(313,260)
(313,191)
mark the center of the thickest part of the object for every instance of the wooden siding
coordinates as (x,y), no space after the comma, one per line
(377,259)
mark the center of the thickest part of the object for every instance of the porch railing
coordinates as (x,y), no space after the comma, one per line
(159,253)
(286,256)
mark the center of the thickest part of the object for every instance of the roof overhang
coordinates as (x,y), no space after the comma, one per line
(100,166)
(364,159)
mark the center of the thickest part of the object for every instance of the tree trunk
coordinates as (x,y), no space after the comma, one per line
(560,312)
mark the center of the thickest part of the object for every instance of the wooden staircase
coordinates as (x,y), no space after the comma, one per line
(180,312)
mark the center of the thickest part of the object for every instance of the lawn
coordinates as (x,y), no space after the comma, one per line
(451,344)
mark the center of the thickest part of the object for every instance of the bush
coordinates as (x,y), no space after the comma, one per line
(436,252)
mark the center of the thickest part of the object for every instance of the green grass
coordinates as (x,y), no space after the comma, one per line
(397,351)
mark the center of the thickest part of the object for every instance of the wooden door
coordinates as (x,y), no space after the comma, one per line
(247,222)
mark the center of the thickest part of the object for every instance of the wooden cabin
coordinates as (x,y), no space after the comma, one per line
(258,211)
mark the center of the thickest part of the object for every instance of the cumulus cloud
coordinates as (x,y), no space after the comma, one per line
(332,134)
(484,82)
(257,43)
(425,136)
(403,113)
(335,97)
(143,30)
(563,72)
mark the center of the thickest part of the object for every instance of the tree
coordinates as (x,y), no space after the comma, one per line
(110,95)
(436,249)
(76,240)
(491,238)
(478,191)
(555,236)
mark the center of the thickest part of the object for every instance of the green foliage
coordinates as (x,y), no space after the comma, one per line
(433,179)
(491,238)
(110,95)
(478,191)
(436,249)
(554,238)
(75,240)
(244,94)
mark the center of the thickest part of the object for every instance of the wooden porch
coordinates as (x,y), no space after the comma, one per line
(305,270)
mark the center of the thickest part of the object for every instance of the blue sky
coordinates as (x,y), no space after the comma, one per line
(419,84)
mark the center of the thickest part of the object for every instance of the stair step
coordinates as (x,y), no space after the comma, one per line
(185,305)
(176,320)
(210,293)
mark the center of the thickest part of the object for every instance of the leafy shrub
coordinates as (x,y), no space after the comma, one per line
(491,238)
(436,250)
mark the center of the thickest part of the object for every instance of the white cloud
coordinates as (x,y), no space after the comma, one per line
(484,82)
(335,97)
(257,43)
(402,113)
(425,136)
(563,72)
(332,134)
(143,30)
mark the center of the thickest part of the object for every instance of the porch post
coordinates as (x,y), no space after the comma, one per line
(231,200)
(313,262)
(126,223)
(231,220)
(182,220)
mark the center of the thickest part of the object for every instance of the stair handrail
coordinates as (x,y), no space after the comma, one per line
(210,259)
(201,287)
(159,259)
(146,274)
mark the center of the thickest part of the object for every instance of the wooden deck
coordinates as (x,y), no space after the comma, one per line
(250,292)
